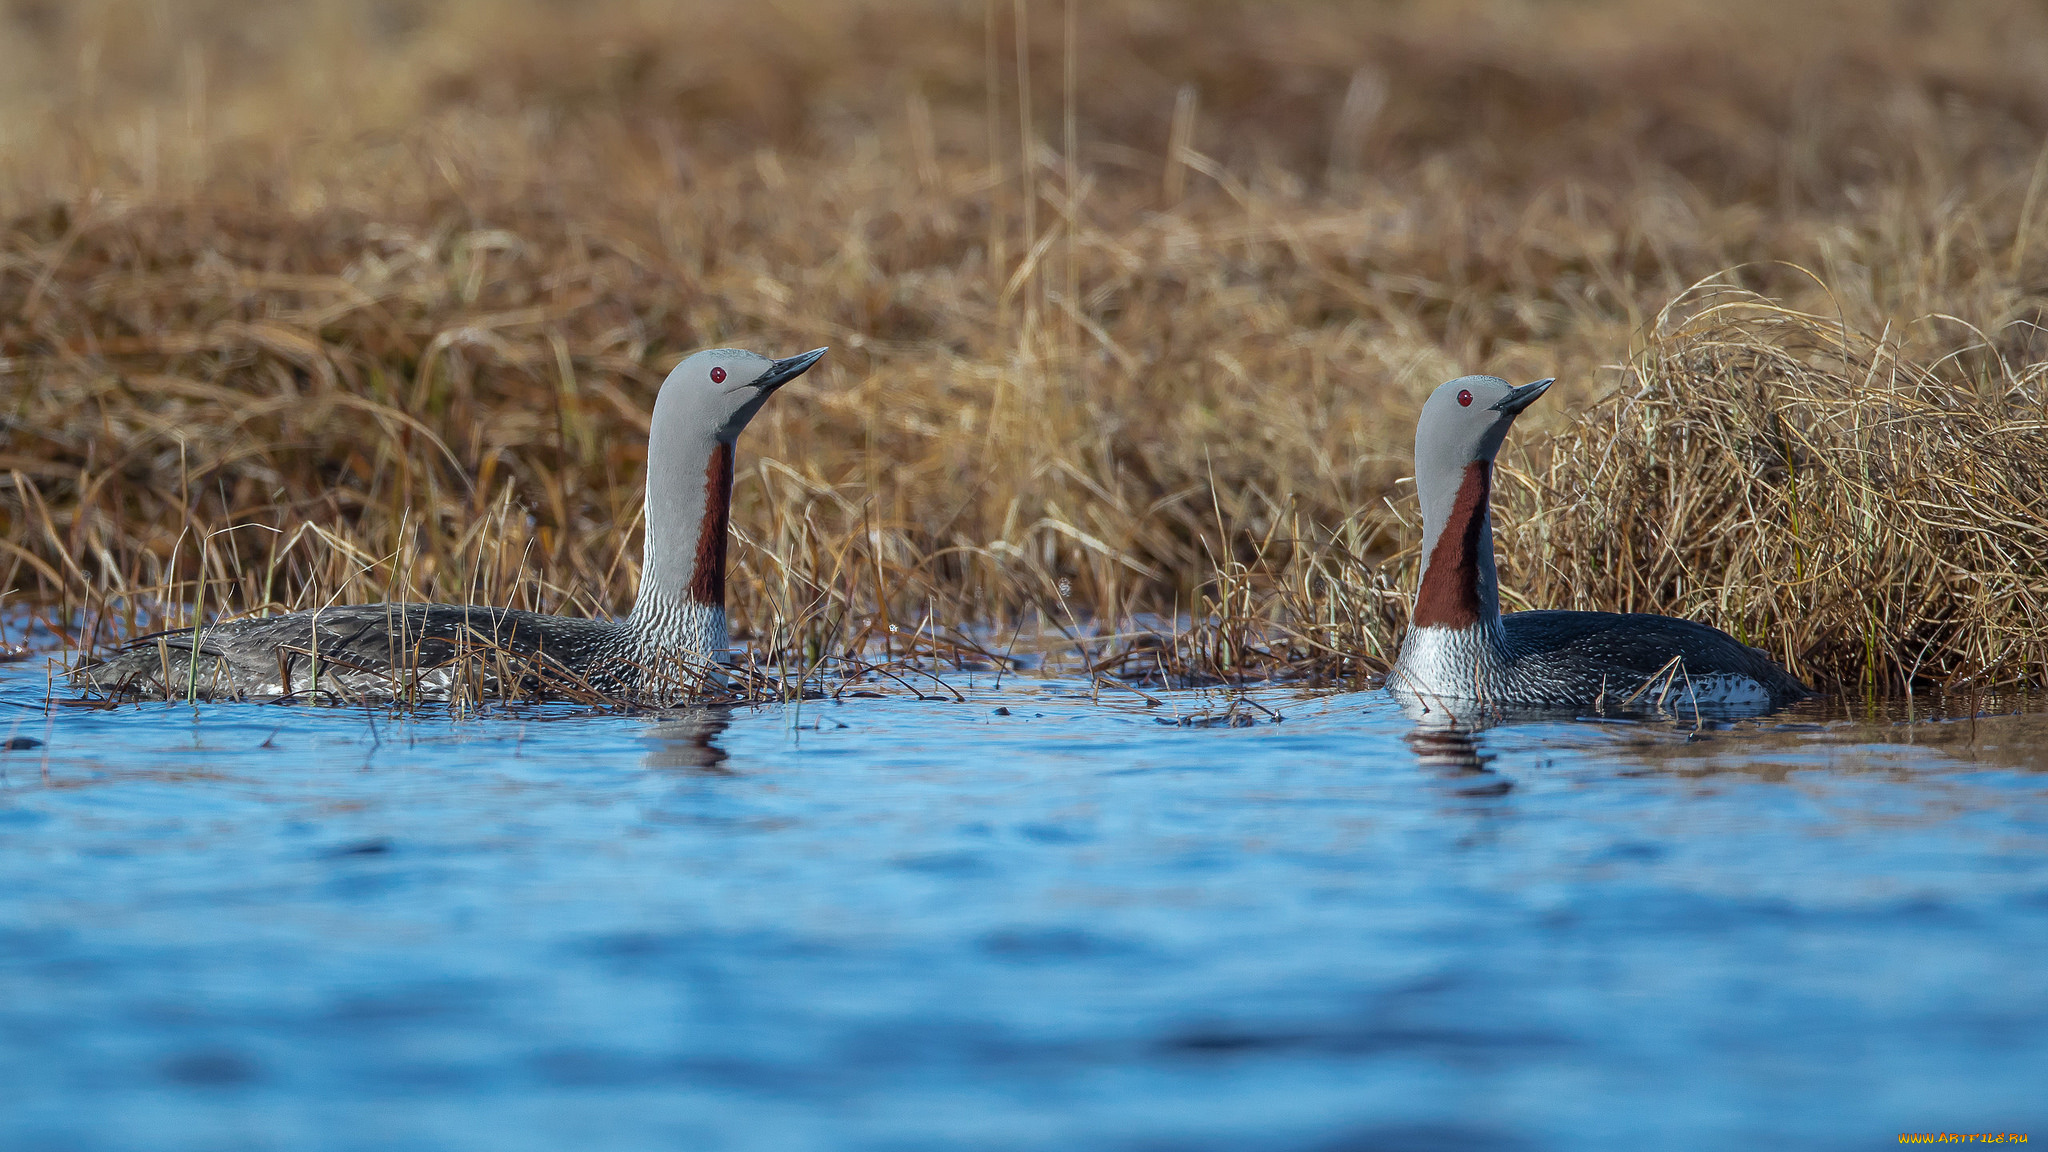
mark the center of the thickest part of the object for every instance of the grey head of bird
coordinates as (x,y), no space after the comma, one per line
(1463,422)
(714,393)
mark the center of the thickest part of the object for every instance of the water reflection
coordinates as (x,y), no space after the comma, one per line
(1454,754)
(689,740)
(1454,750)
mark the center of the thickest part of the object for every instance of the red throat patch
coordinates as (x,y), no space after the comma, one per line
(707,580)
(1449,596)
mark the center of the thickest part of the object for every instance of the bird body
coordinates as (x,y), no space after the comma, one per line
(1582,659)
(675,639)
(1460,648)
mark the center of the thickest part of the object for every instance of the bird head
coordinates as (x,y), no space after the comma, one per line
(718,390)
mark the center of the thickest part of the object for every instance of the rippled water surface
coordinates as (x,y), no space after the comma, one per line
(892,924)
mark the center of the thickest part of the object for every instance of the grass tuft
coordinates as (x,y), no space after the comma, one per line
(1870,520)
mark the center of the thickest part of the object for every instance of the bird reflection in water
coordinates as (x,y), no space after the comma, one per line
(1454,754)
(688,740)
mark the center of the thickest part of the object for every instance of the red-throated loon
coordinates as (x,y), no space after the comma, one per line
(1460,649)
(675,638)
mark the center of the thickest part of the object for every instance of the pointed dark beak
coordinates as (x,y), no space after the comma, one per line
(1520,398)
(784,371)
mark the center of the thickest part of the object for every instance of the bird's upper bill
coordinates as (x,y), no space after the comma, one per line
(782,372)
(1520,398)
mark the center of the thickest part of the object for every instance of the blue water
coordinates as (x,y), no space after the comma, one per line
(893,924)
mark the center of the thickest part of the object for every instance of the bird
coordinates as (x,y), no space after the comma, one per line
(1460,650)
(674,642)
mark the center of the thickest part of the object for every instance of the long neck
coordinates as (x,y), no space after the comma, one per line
(682,573)
(1459,588)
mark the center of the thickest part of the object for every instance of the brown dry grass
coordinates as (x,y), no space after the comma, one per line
(1878,520)
(396,282)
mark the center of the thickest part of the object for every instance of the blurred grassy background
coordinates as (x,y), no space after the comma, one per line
(1131,303)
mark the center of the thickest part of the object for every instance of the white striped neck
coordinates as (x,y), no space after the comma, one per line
(1469,663)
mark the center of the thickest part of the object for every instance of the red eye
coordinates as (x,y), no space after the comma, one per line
(718,377)
(1464,395)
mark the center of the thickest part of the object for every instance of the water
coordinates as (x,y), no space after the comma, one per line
(892,924)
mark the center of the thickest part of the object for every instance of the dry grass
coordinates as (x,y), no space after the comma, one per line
(1879,522)
(392,285)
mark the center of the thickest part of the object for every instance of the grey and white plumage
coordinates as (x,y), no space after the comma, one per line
(1461,650)
(675,639)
